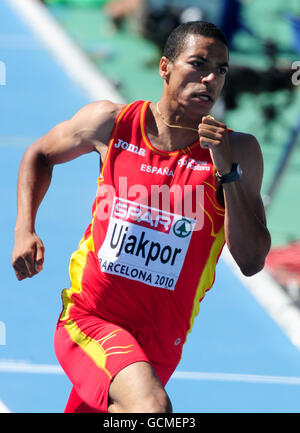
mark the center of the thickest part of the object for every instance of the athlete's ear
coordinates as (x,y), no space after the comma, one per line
(165,68)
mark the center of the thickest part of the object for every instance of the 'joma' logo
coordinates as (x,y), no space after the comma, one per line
(130,147)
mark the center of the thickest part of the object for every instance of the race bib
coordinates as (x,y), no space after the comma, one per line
(145,244)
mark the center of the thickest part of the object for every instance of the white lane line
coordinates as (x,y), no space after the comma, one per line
(73,60)
(16,141)
(12,366)
(272,297)
(232,377)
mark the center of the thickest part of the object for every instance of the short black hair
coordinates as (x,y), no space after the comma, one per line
(177,38)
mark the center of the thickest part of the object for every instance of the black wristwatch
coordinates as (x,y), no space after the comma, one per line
(235,174)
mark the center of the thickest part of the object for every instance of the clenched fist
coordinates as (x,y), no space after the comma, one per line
(214,136)
(27,255)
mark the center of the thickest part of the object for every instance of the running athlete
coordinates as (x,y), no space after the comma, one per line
(175,185)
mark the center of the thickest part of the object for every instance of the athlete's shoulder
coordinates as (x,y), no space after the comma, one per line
(242,142)
(99,112)
(106,108)
(95,120)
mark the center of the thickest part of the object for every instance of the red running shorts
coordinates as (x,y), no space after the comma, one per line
(92,351)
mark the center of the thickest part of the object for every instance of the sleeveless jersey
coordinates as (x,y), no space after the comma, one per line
(149,255)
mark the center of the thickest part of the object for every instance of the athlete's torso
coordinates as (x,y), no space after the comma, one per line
(150,253)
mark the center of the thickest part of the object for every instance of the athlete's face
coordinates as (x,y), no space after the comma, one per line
(196,77)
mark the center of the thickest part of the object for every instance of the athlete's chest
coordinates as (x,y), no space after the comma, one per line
(138,164)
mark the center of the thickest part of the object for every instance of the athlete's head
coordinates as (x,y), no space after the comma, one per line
(193,66)
(176,41)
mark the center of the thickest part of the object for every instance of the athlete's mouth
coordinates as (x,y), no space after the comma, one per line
(206,97)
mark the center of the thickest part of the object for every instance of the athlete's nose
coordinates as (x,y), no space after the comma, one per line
(209,77)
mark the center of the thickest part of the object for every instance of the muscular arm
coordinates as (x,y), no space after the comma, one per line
(246,234)
(89,130)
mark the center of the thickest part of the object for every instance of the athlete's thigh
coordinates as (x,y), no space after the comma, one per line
(137,388)
(92,352)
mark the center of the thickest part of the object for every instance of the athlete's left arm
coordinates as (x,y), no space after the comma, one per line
(246,233)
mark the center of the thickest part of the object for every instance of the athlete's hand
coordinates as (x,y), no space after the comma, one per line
(27,255)
(214,136)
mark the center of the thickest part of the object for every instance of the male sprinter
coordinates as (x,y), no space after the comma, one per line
(142,268)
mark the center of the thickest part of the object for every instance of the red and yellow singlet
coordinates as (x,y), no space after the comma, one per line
(149,255)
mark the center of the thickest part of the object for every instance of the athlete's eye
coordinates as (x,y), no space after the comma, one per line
(196,63)
(222,70)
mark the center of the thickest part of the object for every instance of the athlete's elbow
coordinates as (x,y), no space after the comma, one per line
(254,263)
(252,260)
(253,268)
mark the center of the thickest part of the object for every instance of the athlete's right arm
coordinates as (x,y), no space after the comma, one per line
(89,130)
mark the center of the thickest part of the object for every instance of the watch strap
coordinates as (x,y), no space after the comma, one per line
(234,174)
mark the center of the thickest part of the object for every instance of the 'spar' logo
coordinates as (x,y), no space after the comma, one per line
(142,215)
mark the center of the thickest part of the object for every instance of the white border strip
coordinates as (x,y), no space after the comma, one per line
(73,60)
(3,408)
(272,297)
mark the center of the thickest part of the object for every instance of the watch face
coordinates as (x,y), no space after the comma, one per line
(239,170)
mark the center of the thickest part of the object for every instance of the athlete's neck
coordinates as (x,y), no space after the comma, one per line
(176,114)
(168,136)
